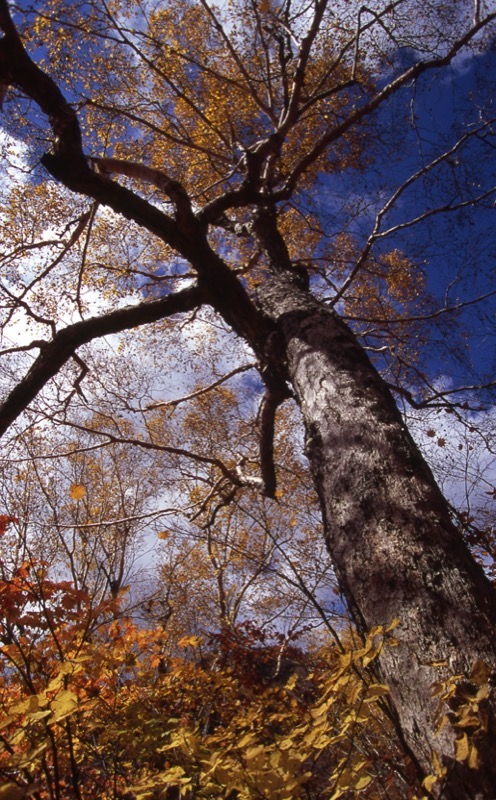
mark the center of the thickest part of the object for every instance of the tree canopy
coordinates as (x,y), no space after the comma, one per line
(237,240)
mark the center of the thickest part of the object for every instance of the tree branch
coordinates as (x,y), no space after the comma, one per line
(67,163)
(202,391)
(54,354)
(375,102)
(172,188)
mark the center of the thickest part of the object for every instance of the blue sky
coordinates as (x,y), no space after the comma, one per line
(457,249)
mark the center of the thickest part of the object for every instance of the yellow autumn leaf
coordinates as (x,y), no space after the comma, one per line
(319,711)
(36,715)
(286,743)
(27,706)
(77,491)
(13,792)
(376,690)
(439,768)
(321,742)
(362,781)
(254,757)
(64,704)
(462,748)
(430,782)
(6,721)
(291,683)
(176,775)
(29,758)
(189,641)
(245,740)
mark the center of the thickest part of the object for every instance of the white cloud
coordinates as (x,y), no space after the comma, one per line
(14,157)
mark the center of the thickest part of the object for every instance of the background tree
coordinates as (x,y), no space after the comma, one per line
(198,142)
(77,681)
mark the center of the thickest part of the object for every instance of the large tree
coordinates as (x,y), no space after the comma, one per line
(212,133)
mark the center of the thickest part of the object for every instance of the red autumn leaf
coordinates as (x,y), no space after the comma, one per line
(4,521)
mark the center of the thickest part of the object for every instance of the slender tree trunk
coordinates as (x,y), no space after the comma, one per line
(388,528)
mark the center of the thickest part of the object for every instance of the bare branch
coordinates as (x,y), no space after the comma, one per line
(378,234)
(145,444)
(58,351)
(156,177)
(203,390)
(377,100)
(419,317)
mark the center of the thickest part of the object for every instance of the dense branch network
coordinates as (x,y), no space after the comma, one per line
(262,183)
(201,136)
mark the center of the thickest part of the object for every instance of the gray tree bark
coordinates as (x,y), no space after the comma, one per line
(395,549)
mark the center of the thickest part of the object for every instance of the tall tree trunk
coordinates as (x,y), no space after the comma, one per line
(388,528)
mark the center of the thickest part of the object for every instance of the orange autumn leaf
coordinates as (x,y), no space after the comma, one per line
(77,491)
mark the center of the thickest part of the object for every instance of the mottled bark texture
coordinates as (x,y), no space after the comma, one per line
(388,528)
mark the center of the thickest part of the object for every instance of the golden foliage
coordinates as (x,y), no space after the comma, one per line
(77,679)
